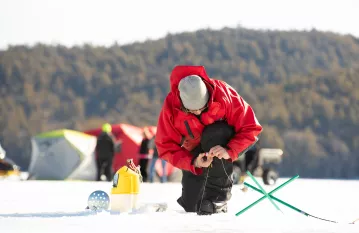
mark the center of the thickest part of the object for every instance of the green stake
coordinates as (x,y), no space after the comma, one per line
(262,198)
(263,191)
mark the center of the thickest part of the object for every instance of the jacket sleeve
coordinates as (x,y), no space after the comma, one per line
(168,141)
(241,115)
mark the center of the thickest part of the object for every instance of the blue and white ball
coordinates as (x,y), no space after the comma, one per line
(98,201)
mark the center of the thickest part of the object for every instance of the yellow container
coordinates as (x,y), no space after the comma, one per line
(125,190)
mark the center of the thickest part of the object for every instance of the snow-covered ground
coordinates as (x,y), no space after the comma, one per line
(43,206)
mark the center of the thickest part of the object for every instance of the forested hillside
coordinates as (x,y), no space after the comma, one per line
(304,87)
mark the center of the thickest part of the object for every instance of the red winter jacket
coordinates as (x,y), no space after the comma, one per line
(179,132)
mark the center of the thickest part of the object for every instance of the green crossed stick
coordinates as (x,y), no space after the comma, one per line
(266,195)
(271,198)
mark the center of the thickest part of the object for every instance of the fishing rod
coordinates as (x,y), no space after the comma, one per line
(293,207)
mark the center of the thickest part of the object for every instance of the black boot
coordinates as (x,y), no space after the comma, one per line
(208,207)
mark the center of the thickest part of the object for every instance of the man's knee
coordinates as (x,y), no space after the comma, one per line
(218,133)
(187,206)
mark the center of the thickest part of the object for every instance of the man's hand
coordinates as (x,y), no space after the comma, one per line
(203,161)
(219,152)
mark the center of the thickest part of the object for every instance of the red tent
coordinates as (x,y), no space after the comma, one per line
(131,137)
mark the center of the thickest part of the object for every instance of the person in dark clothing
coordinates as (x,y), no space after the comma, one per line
(144,154)
(204,125)
(154,159)
(251,157)
(105,152)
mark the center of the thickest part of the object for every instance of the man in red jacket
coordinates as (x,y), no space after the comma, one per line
(204,126)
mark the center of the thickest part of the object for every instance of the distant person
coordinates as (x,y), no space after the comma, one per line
(154,159)
(105,151)
(144,153)
(251,158)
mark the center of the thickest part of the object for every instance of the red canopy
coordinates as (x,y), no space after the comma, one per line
(131,137)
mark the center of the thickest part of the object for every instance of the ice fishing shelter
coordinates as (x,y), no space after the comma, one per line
(63,155)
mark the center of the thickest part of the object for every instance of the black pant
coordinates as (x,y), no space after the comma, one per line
(217,189)
(143,169)
(104,167)
(219,182)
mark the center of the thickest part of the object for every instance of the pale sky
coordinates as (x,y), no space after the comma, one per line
(102,22)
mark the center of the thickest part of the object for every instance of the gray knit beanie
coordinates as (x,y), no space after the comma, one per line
(193,92)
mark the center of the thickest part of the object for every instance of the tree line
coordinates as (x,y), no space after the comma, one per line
(303,86)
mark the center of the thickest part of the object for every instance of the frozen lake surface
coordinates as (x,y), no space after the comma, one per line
(57,206)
